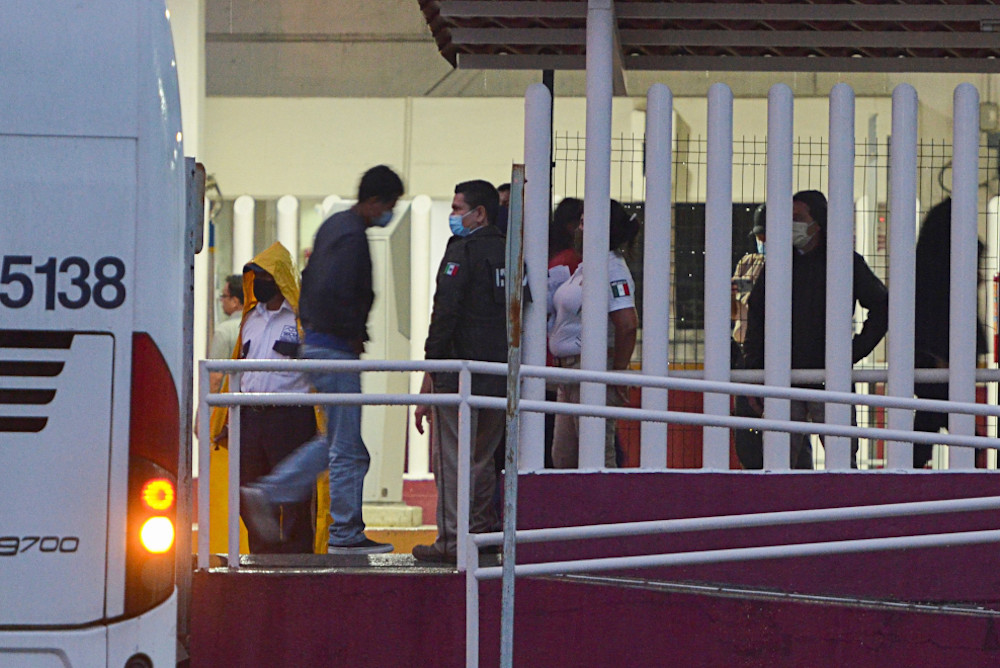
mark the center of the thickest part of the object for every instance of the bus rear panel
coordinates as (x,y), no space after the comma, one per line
(91,297)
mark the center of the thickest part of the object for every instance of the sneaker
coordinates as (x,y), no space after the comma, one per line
(432,555)
(260,516)
(367,546)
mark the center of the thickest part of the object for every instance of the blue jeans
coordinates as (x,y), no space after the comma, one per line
(340,450)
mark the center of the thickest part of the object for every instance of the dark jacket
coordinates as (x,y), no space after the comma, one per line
(809,312)
(469,318)
(337,283)
(933,291)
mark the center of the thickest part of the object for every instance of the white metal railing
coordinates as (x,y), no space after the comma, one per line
(476,573)
(468,545)
(464,398)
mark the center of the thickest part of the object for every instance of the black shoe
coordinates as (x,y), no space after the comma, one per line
(432,555)
(260,516)
(367,546)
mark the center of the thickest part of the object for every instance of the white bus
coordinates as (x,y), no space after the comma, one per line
(92,305)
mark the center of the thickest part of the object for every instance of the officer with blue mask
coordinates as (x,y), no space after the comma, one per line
(468,321)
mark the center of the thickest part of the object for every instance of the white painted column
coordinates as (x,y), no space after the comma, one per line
(840,269)
(718,267)
(596,212)
(964,269)
(288,225)
(243,224)
(418,452)
(778,274)
(656,271)
(902,265)
(537,141)
(326,208)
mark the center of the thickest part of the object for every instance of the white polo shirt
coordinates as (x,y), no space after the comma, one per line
(567,303)
(262,329)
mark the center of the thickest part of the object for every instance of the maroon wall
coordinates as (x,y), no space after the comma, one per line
(272,620)
(938,574)
(296,618)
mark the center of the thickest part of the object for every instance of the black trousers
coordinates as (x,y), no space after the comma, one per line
(267,435)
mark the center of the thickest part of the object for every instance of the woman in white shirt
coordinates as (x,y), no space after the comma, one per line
(565,328)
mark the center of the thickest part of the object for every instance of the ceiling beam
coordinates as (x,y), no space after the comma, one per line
(810,38)
(723,11)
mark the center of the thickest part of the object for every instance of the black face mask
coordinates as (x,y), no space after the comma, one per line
(265,291)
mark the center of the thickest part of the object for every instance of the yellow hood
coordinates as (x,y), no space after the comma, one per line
(277,261)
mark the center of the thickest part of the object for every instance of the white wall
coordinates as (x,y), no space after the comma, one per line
(268,147)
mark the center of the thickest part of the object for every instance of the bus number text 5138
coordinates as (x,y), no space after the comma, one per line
(67,282)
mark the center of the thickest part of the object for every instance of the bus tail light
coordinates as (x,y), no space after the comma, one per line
(154,448)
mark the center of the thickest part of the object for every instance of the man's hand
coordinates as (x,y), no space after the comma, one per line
(426,387)
(419,415)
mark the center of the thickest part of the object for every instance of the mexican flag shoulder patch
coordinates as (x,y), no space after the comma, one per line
(620,289)
(451,269)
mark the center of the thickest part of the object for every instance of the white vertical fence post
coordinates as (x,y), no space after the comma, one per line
(464,465)
(596,212)
(243,224)
(418,447)
(537,140)
(964,269)
(718,267)
(902,264)
(778,273)
(233,525)
(472,608)
(840,269)
(656,272)
(204,469)
(288,225)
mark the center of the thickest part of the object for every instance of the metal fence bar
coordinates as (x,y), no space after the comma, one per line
(608,377)
(750,520)
(597,209)
(902,242)
(749,554)
(500,369)
(964,267)
(472,606)
(464,464)
(204,468)
(656,312)
(734,422)
(233,535)
(537,179)
(718,269)
(778,274)
(514,292)
(840,269)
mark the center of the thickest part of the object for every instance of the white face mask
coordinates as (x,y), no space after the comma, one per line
(800,234)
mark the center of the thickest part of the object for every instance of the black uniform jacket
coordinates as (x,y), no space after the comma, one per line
(469,318)
(809,312)
(337,283)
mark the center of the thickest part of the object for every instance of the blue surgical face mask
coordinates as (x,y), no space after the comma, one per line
(760,246)
(383,220)
(455,223)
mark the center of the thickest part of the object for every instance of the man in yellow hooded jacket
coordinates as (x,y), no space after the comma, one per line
(270,330)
